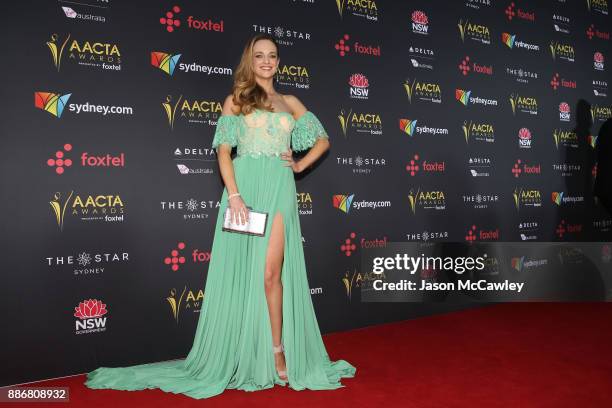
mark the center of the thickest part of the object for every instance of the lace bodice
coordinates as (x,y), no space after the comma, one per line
(268,133)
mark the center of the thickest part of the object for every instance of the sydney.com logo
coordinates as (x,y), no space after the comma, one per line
(56,103)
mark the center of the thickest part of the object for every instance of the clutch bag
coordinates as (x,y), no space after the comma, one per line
(255,225)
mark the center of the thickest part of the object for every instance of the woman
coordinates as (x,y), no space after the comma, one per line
(257,325)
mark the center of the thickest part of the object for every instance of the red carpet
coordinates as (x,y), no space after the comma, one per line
(509,355)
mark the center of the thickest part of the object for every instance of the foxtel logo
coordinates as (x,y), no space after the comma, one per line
(511,42)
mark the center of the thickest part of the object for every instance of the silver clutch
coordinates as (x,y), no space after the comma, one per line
(255,225)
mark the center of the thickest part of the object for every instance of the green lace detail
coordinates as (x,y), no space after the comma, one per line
(307,130)
(267,133)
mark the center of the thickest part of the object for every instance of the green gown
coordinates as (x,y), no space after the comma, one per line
(232,348)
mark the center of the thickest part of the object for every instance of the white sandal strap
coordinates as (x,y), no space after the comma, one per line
(278,349)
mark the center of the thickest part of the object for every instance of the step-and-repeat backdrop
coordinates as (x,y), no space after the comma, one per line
(449,121)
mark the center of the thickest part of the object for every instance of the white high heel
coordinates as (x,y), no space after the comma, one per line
(279,349)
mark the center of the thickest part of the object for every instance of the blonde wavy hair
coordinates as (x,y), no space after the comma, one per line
(246,92)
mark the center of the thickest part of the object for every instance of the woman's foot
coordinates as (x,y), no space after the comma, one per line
(279,362)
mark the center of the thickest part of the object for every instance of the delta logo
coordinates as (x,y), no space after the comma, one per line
(598,61)
(598,6)
(513,12)
(600,88)
(91,317)
(359,86)
(564,228)
(474,234)
(529,198)
(523,104)
(562,51)
(479,131)
(424,91)
(561,23)
(417,165)
(467,66)
(524,138)
(559,198)
(164,61)
(95,54)
(343,48)
(600,113)
(410,127)
(60,161)
(420,22)
(296,76)
(511,42)
(593,32)
(56,104)
(466,98)
(192,111)
(363,122)
(521,168)
(426,200)
(358,8)
(171,21)
(557,82)
(565,138)
(475,32)
(564,112)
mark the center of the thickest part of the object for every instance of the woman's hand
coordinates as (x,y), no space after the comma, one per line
(238,210)
(295,166)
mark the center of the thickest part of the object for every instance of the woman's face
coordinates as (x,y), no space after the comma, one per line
(265,58)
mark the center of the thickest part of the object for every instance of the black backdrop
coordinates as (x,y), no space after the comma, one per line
(103,233)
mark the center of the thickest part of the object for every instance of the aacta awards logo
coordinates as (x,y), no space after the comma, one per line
(165,62)
(365,122)
(86,53)
(363,9)
(424,91)
(192,111)
(475,32)
(91,316)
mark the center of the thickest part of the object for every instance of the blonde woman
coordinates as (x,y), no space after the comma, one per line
(257,325)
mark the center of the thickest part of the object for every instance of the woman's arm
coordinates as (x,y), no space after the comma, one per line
(224,152)
(238,209)
(321,144)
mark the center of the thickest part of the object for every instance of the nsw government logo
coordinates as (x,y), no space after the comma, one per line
(420,22)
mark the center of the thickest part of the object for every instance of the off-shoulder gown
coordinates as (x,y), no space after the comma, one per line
(232,347)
